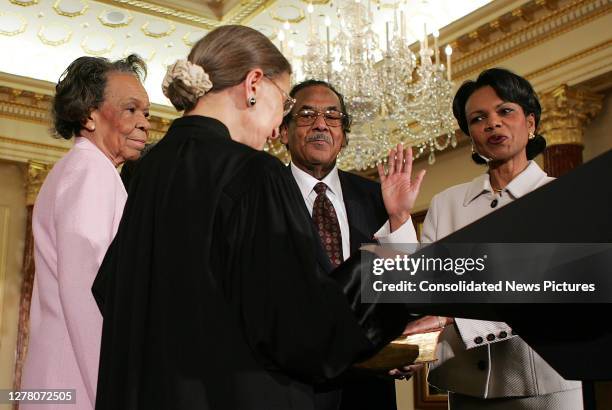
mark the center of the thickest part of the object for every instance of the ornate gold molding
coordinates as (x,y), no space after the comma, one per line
(31,144)
(159,127)
(571,59)
(316,2)
(522,28)
(36,174)
(34,106)
(240,14)
(566,113)
(110,44)
(71,14)
(4,240)
(24,3)
(243,12)
(147,32)
(22,27)
(165,13)
(25,105)
(67,35)
(300,14)
(103,18)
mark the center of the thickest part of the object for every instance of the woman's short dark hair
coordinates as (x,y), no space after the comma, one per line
(81,87)
(509,87)
(346,121)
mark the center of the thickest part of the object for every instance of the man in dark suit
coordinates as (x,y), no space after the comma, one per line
(347,210)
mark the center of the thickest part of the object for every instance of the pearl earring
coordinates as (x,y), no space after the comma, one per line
(252,101)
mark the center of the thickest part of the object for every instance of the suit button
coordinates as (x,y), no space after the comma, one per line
(503,335)
(490,337)
(478,340)
(482,365)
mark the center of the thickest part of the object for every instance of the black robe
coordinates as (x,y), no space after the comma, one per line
(210,292)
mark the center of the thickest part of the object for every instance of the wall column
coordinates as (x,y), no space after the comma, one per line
(36,174)
(566,111)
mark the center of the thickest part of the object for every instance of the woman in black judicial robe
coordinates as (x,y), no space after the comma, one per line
(210,292)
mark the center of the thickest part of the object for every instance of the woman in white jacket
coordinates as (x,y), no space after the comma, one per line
(483,364)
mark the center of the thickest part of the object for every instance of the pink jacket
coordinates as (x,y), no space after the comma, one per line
(75,218)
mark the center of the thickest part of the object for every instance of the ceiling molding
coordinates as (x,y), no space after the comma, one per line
(478,51)
(19,150)
(165,13)
(585,66)
(241,13)
(27,86)
(28,100)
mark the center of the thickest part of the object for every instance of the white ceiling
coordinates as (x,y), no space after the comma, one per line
(39,38)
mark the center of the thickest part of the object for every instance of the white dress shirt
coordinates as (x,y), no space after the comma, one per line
(307,182)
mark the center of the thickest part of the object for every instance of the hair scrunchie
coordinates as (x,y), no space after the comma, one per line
(191,75)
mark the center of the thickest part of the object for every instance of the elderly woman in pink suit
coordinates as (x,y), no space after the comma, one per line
(104,105)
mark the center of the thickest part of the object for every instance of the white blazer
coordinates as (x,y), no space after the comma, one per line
(480,358)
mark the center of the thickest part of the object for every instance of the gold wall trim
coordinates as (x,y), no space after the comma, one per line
(165,13)
(58,42)
(149,33)
(31,144)
(4,229)
(35,176)
(239,14)
(243,13)
(70,14)
(552,23)
(294,20)
(22,27)
(30,99)
(24,3)
(566,112)
(19,103)
(24,105)
(571,59)
(126,22)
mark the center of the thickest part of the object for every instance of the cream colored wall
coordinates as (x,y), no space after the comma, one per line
(451,168)
(12,235)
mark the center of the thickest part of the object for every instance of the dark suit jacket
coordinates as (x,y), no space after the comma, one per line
(366,214)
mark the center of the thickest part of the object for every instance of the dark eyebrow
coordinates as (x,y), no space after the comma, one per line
(496,107)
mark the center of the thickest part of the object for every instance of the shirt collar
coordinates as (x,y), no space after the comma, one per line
(521,185)
(306,182)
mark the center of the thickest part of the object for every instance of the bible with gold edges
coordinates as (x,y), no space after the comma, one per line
(403,351)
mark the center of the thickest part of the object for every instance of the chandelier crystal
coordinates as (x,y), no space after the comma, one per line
(393,95)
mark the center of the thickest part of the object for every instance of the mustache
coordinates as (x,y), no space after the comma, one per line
(319,136)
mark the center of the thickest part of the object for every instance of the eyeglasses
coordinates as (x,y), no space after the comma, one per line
(308,116)
(288,100)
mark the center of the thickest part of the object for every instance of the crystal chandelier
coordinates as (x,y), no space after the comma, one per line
(393,95)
